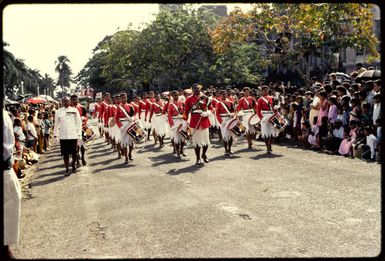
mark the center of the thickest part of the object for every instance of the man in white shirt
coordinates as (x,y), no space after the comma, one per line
(68,129)
(371,144)
(31,134)
(11,188)
(376,107)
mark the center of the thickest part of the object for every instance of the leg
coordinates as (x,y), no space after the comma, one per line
(181,149)
(197,154)
(66,163)
(83,150)
(249,141)
(74,158)
(204,156)
(176,150)
(77,156)
(125,154)
(226,150)
(174,147)
(120,154)
(130,147)
(148,134)
(230,144)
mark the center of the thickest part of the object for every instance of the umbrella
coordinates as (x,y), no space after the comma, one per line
(46,97)
(36,100)
(164,94)
(369,75)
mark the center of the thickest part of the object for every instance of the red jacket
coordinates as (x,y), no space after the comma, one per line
(142,107)
(202,106)
(263,106)
(149,103)
(119,114)
(136,109)
(97,110)
(103,112)
(165,107)
(156,107)
(247,103)
(222,110)
(175,109)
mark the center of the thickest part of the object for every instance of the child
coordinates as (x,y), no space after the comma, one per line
(350,138)
(323,133)
(312,137)
(303,138)
(368,150)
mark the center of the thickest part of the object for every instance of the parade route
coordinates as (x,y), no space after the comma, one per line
(292,203)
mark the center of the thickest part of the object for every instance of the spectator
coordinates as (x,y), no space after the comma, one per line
(323,133)
(19,135)
(40,129)
(355,112)
(368,150)
(314,108)
(312,138)
(332,115)
(324,108)
(359,68)
(47,131)
(376,107)
(345,148)
(334,139)
(31,134)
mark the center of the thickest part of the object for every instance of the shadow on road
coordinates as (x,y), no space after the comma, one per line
(61,171)
(223,157)
(164,159)
(104,162)
(190,169)
(47,181)
(265,155)
(47,168)
(118,166)
(254,149)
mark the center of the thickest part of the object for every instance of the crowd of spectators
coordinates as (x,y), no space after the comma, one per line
(33,129)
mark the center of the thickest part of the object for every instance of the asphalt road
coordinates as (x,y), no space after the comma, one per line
(292,203)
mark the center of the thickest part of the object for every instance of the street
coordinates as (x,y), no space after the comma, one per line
(292,203)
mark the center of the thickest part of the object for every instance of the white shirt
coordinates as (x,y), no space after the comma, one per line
(376,111)
(339,133)
(68,125)
(8,136)
(31,128)
(371,141)
(19,131)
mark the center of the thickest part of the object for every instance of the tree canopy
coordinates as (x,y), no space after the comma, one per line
(304,28)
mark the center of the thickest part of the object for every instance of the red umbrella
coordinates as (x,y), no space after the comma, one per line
(36,100)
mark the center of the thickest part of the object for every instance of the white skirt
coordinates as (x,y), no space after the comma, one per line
(110,129)
(143,124)
(12,206)
(213,120)
(158,123)
(226,133)
(245,119)
(267,128)
(125,138)
(116,133)
(174,134)
(200,137)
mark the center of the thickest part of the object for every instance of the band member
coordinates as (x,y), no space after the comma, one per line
(111,121)
(98,108)
(123,119)
(149,101)
(158,123)
(265,111)
(142,111)
(168,100)
(68,129)
(198,105)
(224,114)
(135,104)
(247,104)
(175,115)
(83,116)
(102,115)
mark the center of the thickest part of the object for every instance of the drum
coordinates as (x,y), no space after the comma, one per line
(185,133)
(278,121)
(237,127)
(88,133)
(136,132)
(254,120)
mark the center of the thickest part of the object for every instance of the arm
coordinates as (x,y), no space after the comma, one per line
(56,126)
(218,112)
(116,117)
(258,109)
(78,122)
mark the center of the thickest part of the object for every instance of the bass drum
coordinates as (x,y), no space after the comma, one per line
(136,132)
(255,121)
(278,121)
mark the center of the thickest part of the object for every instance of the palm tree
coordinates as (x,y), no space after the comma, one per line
(64,72)
(48,84)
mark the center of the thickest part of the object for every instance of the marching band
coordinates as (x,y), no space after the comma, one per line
(190,117)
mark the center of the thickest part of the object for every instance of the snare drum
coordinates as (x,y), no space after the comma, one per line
(255,121)
(136,132)
(88,133)
(237,127)
(278,122)
(185,134)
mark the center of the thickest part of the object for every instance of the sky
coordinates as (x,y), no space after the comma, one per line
(39,33)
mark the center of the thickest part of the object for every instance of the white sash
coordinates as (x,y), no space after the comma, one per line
(267,102)
(125,112)
(225,107)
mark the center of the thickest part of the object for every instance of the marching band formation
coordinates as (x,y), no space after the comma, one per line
(191,118)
